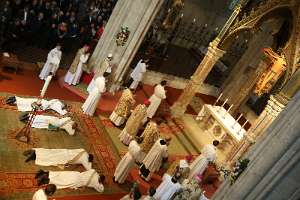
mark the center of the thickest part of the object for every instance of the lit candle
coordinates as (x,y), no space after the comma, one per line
(218,99)
(194,20)
(181,15)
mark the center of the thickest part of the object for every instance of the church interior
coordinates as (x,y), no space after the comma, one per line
(215,85)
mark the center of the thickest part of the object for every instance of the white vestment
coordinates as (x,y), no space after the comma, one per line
(40,195)
(198,166)
(155,100)
(43,122)
(127,162)
(167,188)
(75,180)
(52,63)
(137,74)
(24,105)
(73,79)
(92,100)
(153,159)
(56,157)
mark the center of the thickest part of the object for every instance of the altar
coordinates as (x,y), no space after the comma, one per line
(221,126)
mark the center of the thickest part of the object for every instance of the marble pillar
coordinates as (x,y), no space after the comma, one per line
(273,171)
(137,16)
(212,55)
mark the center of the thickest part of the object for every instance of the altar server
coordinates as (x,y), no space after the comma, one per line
(52,63)
(208,154)
(54,123)
(72,179)
(168,187)
(137,74)
(91,103)
(153,160)
(74,74)
(134,123)
(124,166)
(158,95)
(123,108)
(59,157)
(42,194)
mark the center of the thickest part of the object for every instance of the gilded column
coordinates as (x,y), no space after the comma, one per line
(212,56)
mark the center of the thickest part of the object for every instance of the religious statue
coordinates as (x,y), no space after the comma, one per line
(173,14)
(272,73)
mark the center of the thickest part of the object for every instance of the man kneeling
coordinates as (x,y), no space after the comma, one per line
(59,157)
(71,179)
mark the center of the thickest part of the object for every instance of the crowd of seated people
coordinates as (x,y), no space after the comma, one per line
(43,23)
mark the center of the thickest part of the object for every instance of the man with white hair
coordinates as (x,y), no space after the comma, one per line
(71,179)
(54,123)
(59,157)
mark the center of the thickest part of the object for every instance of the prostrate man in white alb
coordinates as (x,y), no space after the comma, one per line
(24,104)
(208,154)
(72,179)
(52,63)
(42,194)
(54,123)
(59,157)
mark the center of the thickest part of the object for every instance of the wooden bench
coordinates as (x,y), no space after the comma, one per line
(10,61)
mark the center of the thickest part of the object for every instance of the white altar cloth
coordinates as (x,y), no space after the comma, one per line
(224,118)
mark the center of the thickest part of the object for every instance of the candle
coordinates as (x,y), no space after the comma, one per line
(218,99)
(45,87)
(245,123)
(224,102)
(194,20)
(181,15)
(236,121)
(230,108)
(239,117)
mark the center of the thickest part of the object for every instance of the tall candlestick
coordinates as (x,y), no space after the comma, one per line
(218,99)
(45,87)
(230,108)
(236,121)
(224,102)
(245,123)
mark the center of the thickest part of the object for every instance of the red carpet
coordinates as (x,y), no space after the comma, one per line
(26,82)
